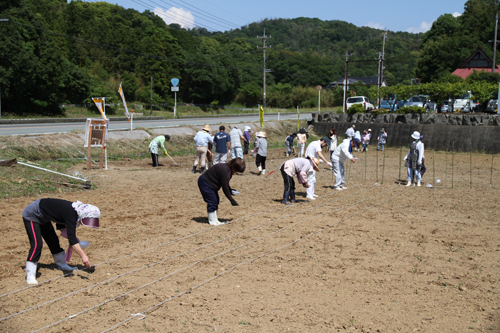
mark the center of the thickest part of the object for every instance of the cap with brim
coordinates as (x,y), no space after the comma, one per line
(315,164)
(416,135)
(91,222)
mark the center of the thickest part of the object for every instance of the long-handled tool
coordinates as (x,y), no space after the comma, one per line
(171,158)
(270,173)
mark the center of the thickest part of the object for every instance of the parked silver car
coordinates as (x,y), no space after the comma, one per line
(423,102)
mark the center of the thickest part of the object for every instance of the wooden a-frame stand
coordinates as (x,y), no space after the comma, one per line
(95,137)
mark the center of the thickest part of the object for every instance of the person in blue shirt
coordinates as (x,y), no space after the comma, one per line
(222,142)
(202,138)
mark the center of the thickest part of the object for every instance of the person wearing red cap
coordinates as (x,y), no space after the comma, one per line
(67,215)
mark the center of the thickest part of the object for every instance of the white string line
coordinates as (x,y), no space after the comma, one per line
(151,248)
(211,257)
(175,256)
(267,253)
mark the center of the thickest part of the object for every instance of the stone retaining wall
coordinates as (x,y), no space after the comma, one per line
(479,133)
(425,118)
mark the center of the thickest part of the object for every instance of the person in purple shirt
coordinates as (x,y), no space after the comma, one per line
(246,134)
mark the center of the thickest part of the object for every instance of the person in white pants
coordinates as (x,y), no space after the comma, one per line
(314,151)
(340,154)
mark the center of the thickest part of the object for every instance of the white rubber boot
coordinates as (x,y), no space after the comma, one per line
(31,272)
(61,263)
(263,172)
(409,183)
(212,218)
(418,184)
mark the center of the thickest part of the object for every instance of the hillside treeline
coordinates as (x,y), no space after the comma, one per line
(54,52)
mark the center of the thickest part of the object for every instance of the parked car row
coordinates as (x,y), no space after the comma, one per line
(463,103)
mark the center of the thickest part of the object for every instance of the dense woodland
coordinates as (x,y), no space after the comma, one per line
(54,52)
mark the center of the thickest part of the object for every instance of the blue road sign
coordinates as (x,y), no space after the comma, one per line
(175,82)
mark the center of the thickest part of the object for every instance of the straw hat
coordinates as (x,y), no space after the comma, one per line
(416,135)
(261,135)
(315,164)
(207,128)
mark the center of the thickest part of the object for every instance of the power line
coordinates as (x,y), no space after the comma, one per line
(183,21)
(196,9)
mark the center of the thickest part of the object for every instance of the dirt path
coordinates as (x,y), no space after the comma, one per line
(371,258)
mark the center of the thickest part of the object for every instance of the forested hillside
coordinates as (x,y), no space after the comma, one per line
(54,52)
(451,40)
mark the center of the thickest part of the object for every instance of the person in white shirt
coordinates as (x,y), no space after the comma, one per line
(314,151)
(339,156)
(414,159)
(236,135)
(202,138)
(299,167)
(333,141)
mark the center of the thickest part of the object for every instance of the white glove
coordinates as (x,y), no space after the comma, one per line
(330,164)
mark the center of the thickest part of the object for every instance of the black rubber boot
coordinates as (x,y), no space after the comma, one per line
(194,168)
(202,169)
(292,196)
(285,198)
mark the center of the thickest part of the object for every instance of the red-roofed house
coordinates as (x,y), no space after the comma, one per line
(478,61)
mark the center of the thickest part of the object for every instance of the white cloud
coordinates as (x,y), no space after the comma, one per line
(456,14)
(424,26)
(176,15)
(375,26)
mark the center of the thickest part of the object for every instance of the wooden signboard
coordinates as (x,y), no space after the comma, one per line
(95,136)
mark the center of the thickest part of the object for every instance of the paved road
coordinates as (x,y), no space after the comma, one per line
(24,129)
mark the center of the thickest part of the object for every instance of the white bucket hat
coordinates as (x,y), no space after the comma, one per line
(416,135)
(247,128)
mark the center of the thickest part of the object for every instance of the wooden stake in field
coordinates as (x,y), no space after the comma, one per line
(400,157)
(383,169)
(377,165)
(470,167)
(445,165)
(452,166)
(433,169)
(366,156)
(491,175)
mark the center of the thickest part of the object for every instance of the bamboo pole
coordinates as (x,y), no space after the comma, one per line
(445,165)
(491,174)
(470,167)
(433,169)
(400,157)
(452,166)
(366,156)
(377,165)
(383,168)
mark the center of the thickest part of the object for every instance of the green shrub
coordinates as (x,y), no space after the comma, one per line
(379,111)
(411,109)
(356,108)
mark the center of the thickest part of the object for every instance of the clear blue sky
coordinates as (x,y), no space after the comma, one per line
(221,15)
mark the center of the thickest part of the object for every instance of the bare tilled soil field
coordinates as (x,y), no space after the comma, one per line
(377,257)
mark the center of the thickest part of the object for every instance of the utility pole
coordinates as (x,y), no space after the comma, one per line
(151,105)
(264,38)
(346,80)
(381,69)
(1,20)
(495,45)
